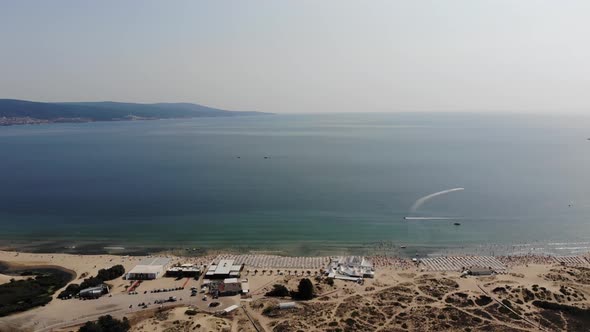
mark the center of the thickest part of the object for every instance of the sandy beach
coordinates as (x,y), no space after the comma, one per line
(403,296)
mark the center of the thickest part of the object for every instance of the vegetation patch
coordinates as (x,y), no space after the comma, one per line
(106,324)
(305,290)
(21,295)
(278,291)
(483,300)
(102,276)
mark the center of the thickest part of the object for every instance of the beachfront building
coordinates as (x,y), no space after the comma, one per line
(94,292)
(148,269)
(245,286)
(226,268)
(184,271)
(352,268)
(228,287)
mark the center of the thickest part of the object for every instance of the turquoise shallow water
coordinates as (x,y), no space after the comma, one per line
(331,183)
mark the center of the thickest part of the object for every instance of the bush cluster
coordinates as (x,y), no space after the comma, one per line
(106,324)
(278,291)
(21,295)
(102,276)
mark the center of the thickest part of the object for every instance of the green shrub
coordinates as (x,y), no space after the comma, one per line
(278,291)
(106,324)
(21,295)
(190,312)
(304,290)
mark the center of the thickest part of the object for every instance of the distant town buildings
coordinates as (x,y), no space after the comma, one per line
(9,121)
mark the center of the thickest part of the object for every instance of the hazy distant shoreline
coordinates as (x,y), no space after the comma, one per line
(23,112)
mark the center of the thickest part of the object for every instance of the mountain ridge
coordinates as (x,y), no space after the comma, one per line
(16,111)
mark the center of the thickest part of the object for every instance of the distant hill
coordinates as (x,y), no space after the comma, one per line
(16,111)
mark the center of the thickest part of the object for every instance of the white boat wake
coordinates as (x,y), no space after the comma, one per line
(430,218)
(424,199)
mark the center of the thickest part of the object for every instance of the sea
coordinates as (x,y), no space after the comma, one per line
(298,185)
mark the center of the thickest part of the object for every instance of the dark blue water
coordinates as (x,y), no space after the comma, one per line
(331,183)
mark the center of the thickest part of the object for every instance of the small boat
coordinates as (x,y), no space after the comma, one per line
(403,247)
(457,224)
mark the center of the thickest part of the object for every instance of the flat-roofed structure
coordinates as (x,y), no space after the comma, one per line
(245,286)
(287,305)
(149,268)
(226,268)
(351,268)
(230,287)
(184,271)
(230,308)
(227,287)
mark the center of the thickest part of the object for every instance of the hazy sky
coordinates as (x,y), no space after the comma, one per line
(301,56)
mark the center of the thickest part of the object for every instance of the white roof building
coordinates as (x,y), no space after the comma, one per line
(245,286)
(287,305)
(350,268)
(230,308)
(184,270)
(149,268)
(224,269)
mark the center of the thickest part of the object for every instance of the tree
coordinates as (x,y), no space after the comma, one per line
(304,290)
(90,282)
(71,290)
(278,291)
(111,273)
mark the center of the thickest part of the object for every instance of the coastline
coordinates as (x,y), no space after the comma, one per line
(74,263)
(382,248)
(392,276)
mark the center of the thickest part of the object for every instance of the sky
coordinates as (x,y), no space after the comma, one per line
(302,56)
